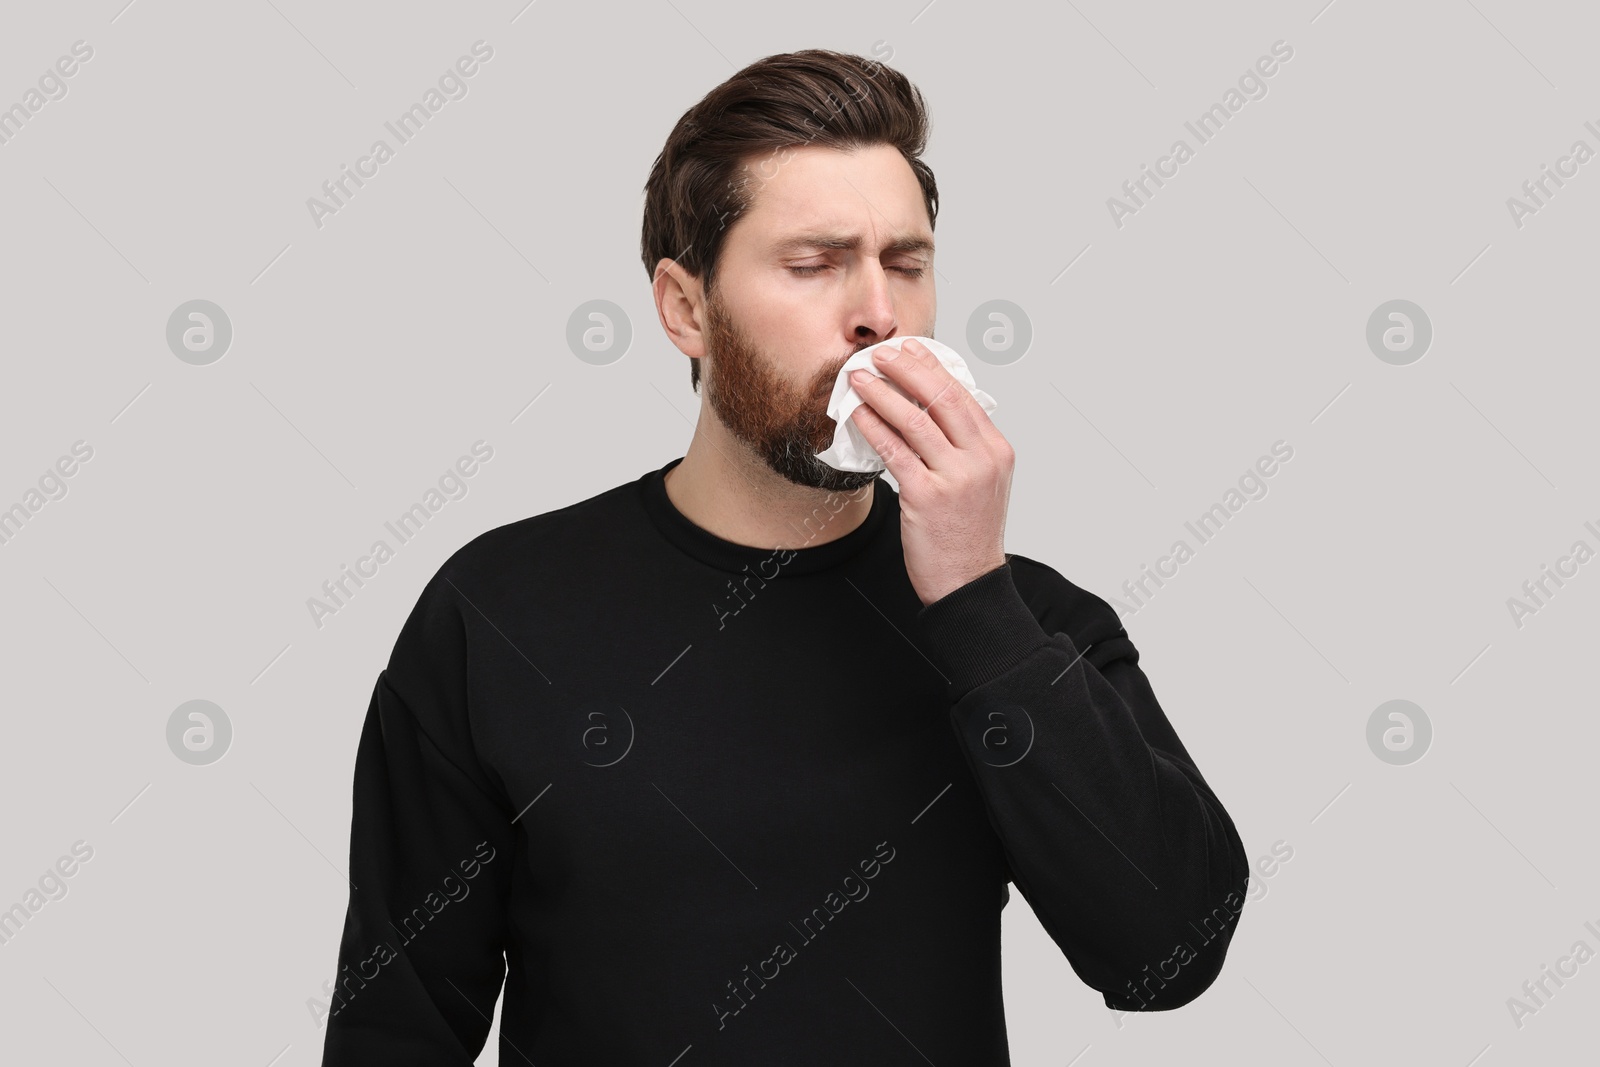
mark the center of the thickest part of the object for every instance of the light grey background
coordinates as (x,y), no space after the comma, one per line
(1229,313)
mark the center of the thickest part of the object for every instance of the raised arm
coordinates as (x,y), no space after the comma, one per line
(1128,858)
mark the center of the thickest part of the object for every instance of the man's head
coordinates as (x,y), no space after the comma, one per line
(789,224)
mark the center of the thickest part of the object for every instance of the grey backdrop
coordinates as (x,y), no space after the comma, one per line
(1230,311)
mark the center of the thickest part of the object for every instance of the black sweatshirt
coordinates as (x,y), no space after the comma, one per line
(702,803)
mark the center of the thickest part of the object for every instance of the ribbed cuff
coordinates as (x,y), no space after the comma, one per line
(978,632)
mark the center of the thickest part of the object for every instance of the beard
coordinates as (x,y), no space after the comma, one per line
(785,424)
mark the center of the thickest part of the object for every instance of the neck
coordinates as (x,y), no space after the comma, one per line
(723,488)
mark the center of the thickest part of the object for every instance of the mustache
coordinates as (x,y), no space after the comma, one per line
(832,374)
(826,379)
(828,376)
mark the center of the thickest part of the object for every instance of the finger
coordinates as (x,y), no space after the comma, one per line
(914,425)
(951,406)
(897,456)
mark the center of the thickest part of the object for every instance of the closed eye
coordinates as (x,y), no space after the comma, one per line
(910,272)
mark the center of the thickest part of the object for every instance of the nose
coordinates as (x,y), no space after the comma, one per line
(874,315)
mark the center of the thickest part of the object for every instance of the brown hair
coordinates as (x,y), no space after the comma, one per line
(701,182)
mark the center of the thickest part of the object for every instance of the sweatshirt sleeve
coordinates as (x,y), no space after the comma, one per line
(421,961)
(1126,856)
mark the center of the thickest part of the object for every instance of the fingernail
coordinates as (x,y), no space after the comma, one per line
(858,375)
(885,354)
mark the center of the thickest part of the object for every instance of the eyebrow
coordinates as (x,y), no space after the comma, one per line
(847,243)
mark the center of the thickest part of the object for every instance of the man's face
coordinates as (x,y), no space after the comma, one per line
(836,254)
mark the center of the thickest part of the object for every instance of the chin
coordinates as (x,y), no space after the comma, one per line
(812,473)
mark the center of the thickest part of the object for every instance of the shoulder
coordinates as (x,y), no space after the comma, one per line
(520,570)
(1064,607)
(543,544)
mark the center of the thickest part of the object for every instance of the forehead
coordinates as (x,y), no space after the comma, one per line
(809,189)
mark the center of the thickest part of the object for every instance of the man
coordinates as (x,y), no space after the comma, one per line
(732,764)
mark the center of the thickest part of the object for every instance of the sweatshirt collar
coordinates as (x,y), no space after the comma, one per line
(794,556)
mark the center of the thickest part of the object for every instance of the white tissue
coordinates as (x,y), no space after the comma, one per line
(850,450)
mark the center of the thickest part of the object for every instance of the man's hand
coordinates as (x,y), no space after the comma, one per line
(952,464)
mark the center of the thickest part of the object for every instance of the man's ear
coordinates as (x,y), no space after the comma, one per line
(680,305)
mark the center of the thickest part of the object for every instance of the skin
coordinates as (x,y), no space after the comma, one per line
(773,337)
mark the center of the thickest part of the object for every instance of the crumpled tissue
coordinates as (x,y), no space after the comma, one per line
(850,450)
